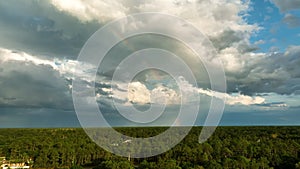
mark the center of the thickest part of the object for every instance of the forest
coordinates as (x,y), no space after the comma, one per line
(229,147)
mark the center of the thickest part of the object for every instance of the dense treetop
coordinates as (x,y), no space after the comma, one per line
(229,147)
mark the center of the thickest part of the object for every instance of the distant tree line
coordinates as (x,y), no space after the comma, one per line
(229,147)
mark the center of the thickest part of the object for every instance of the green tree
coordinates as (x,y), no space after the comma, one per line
(170,164)
(76,167)
(115,165)
(147,165)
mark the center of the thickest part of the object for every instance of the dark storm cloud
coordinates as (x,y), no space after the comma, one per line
(135,43)
(226,39)
(29,85)
(39,28)
(277,72)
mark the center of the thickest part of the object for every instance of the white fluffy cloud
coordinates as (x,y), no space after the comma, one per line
(235,98)
(137,92)
(9,55)
(212,16)
(92,9)
(64,67)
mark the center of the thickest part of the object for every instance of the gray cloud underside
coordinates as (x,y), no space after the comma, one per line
(291,20)
(29,85)
(287,5)
(39,28)
(276,72)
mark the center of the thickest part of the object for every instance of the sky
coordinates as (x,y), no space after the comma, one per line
(256,41)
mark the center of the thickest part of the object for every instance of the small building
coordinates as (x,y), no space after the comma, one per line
(14,166)
(5,164)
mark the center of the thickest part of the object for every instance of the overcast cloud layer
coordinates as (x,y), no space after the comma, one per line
(40,41)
